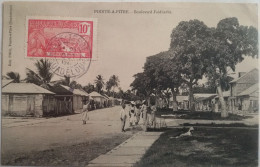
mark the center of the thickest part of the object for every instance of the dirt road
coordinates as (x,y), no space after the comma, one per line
(25,135)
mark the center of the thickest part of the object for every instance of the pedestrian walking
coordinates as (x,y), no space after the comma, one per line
(85,112)
(132,116)
(123,116)
(144,114)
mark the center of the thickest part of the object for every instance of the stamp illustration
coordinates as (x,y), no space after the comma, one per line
(67,43)
(60,38)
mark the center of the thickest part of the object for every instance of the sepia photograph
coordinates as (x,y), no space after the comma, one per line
(120,84)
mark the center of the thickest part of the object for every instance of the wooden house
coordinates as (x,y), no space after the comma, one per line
(78,96)
(64,99)
(26,99)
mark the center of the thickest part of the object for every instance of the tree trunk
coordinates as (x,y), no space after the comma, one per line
(148,101)
(174,103)
(113,91)
(224,112)
(191,98)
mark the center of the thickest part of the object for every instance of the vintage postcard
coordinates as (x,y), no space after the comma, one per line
(141,84)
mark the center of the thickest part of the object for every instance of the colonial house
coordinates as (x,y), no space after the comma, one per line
(26,99)
(244,90)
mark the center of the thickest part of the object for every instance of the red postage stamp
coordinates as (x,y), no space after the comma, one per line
(59,38)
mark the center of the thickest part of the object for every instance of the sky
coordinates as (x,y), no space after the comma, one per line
(125,40)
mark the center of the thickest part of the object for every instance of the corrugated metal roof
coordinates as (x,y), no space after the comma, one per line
(6,82)
(27,88)
(250,90)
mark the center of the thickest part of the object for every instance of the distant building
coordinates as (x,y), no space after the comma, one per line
(204,101)
(78,96)
(244,92)
(26,99)
(243,95)
(98,99)
(182,102)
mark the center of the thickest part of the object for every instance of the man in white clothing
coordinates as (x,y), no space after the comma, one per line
(123,116)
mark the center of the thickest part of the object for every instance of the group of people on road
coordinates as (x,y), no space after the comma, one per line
(138,114)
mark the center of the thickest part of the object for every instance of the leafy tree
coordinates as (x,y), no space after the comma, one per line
(162,69)
(75,85)
(89,88)
(227,45)
(14,76)
(187,44)
(42,76)
(99,83)
(142,85)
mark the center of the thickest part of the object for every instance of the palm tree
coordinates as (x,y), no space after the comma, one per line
(114,81)
(14,76)
(42,76)
(108,86)
(99,83)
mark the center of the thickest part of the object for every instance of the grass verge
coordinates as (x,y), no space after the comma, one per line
(74,155)
(199,115)
(206,147)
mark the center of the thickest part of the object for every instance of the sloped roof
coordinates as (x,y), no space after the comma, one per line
(250,90)
(95,94)
(59,90)
(197,95)
(75,91)
(71,90)
(106,96)
(203,96)
(27,88)
(6,82)
(225,94)
(237,79)
(81,92)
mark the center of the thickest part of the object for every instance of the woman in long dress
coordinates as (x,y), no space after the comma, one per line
(144,114)
(132,114)
(85,112)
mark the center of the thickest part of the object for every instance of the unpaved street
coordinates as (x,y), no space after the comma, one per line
(25,135)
